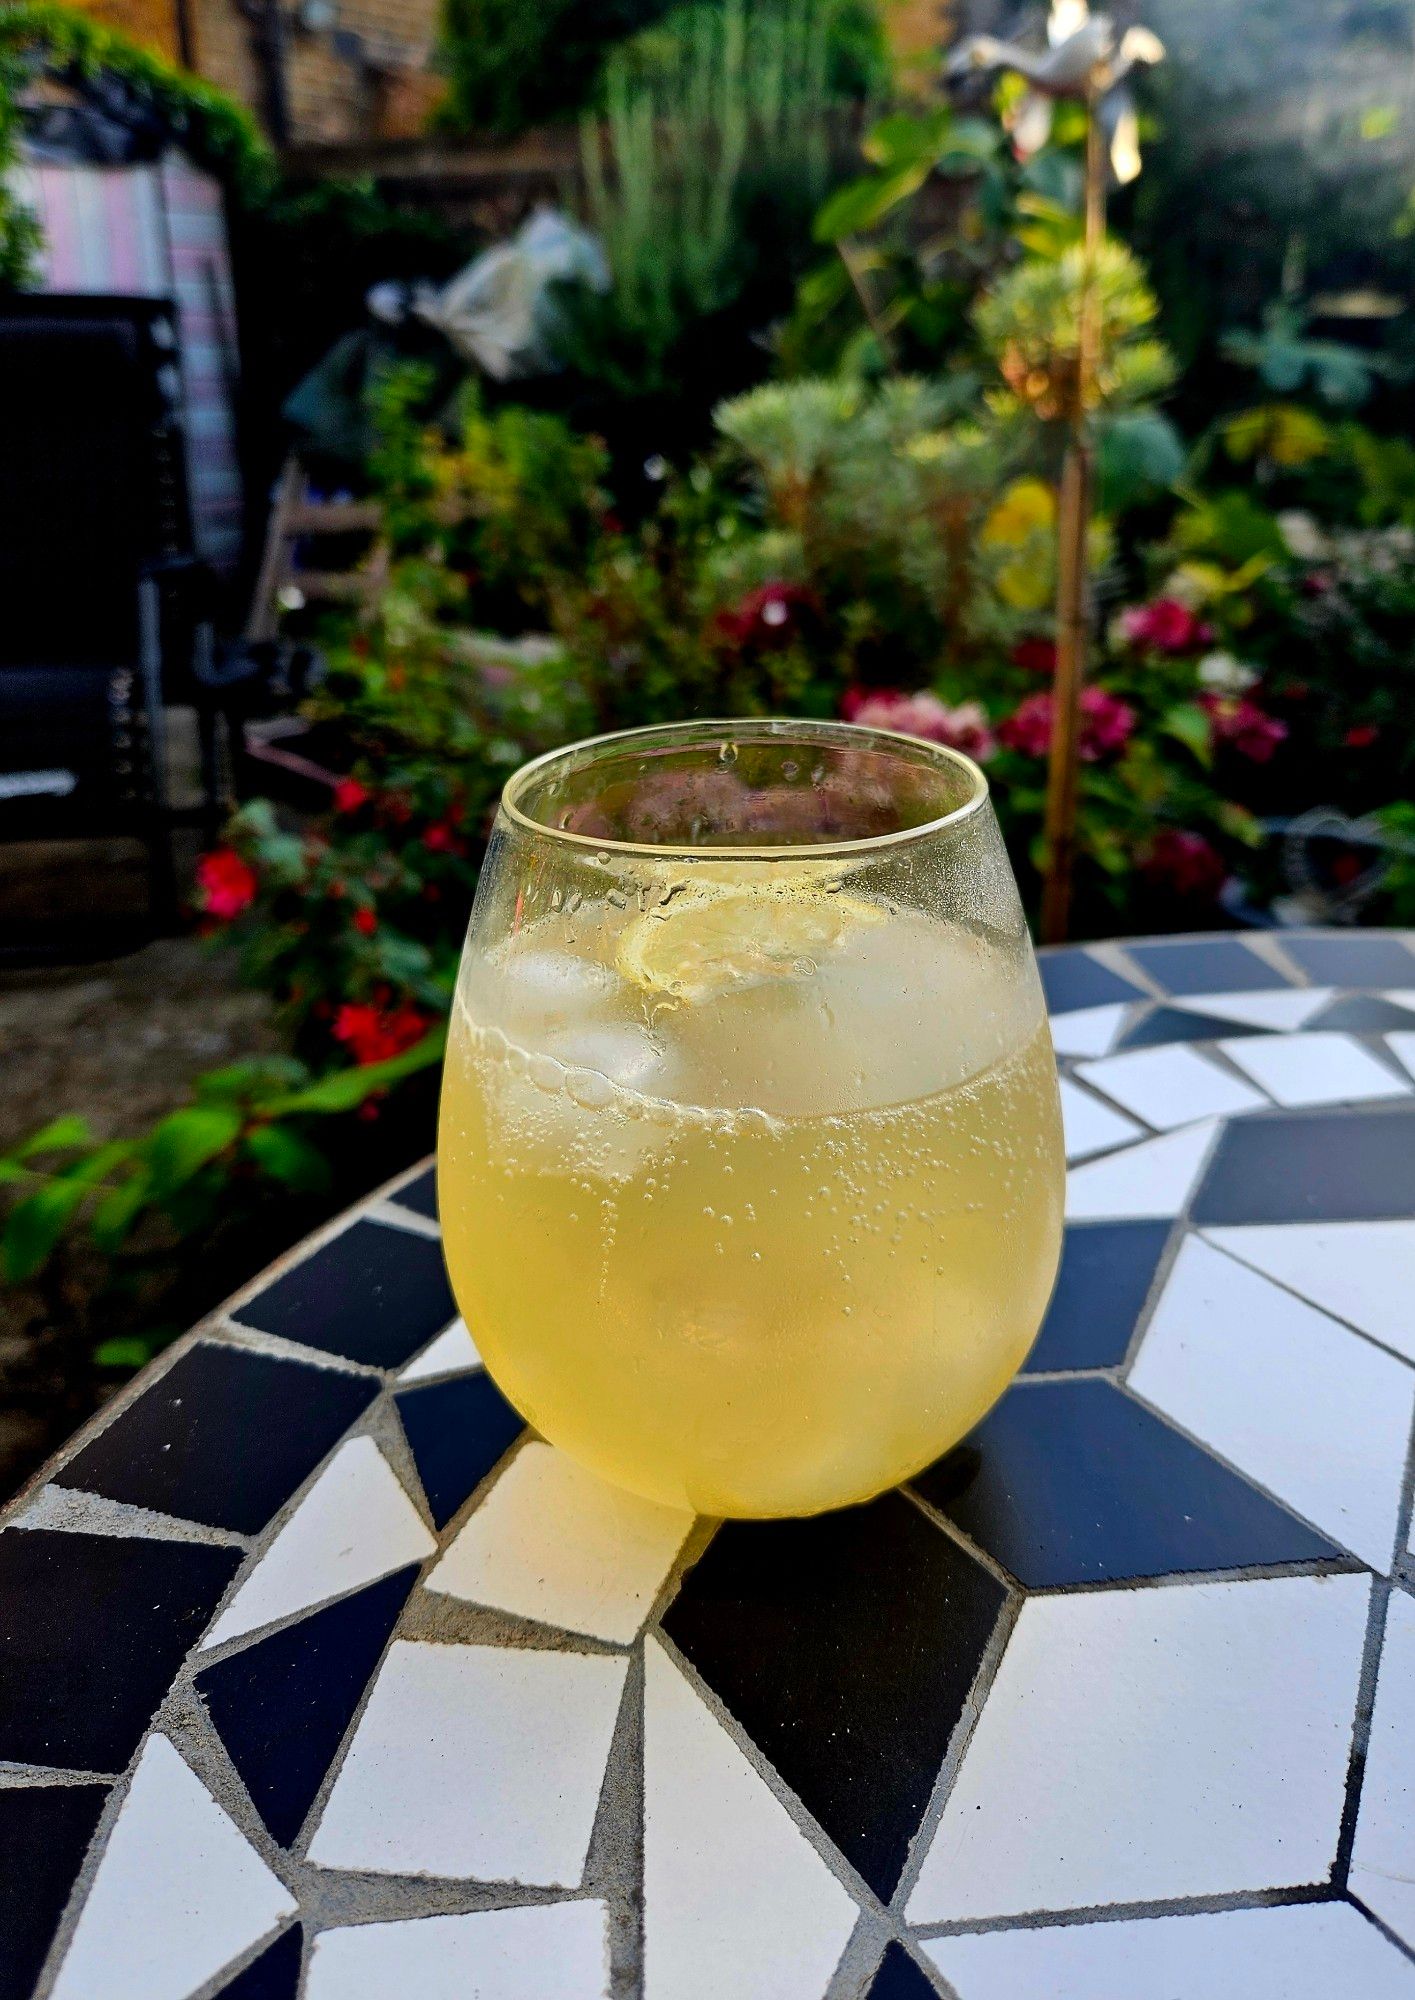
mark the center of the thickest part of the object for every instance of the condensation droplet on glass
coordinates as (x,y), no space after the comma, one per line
(727,754)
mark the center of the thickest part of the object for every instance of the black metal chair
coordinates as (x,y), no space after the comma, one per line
(97,573)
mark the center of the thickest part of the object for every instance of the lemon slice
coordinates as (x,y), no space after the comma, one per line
(714,939)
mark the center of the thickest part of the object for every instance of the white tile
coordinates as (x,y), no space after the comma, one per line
(480,1762)
(1305,1951)
(179,1893)
(1135,1746)
(1364,1272)
(354,1525)
(1283,1009)
(1402,1047)
(1383,1860)
(530,1954)
(1153,1179)
(552,1542)
(1171,1086)
(1090,1126)
(1401,996)
(1318,1068)
(736,1900)
(1090,1031)
(452,1353)
(1298,1402)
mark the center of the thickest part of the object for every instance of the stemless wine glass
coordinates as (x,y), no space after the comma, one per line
(750,1163)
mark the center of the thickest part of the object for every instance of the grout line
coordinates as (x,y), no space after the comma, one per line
(1205,1232)
(1119,1913)
(1402,1945)
(1008,1617)
(390,1216)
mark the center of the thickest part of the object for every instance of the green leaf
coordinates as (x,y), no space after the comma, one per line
(1139,454)
(903,139)
(34,1226)
(288,1157)
(862,205)
(131,1351)
(55,1137)
(182,1144)
(346,1089)
(244,1080)
(113,1217)
(1188,724)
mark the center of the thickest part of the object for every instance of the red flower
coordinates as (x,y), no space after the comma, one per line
(1035,656)
(1107,724)
(374,1033)
(1186,864)
(1239,724)
(1362,736)
(442,838)
(227,884)
(962,728)
(349,795)
(365,922)
(1166,626)
(768,616)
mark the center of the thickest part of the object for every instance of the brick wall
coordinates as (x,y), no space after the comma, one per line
(367,76)
(152,22)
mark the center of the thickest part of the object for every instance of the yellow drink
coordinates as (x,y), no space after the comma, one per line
(753,1203)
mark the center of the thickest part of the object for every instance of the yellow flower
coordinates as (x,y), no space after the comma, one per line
(1027,508)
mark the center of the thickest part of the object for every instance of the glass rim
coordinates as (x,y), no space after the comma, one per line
(845,735)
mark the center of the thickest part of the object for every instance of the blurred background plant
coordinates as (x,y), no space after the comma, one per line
(802,455)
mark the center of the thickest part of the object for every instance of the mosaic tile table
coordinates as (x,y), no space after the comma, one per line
(318,1676)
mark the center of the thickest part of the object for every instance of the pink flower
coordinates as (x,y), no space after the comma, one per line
(1186,864)
(1166,626)
(1238,724)
(227,884)
(962,728)
(1107,724)
(349,795)
(1035,656)
(373,1033)
(768,616)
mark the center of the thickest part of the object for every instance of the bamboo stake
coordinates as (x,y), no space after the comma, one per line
(1073,604)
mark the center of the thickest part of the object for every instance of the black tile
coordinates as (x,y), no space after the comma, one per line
(281,1706)
(1363,1014)
(1106,1272)
(375,1293)
(846,1647)
(92,1630)
(44,1833)
(1333,1166)
(420,1195)
(1074,979)
(225,1436)
(1352,958)
(1075,1482)
(275,1975)
(1205,965)
(899,1978)
(457,1431)
(1181,1024)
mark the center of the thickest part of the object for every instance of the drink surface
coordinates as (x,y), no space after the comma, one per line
(753,1204)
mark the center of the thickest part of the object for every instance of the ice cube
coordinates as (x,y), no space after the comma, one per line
(530,993)
(619,1053)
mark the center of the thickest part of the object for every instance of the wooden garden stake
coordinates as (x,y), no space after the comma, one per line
(1073,603)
